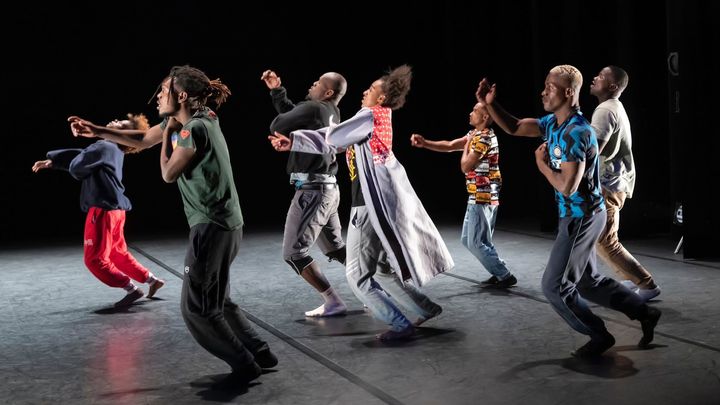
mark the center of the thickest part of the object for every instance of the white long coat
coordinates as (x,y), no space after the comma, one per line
(414,246)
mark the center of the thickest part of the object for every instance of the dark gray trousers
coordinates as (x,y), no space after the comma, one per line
(216,322)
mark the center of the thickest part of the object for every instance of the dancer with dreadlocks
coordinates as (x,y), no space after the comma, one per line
(391,241)
(102,196)
(194,154)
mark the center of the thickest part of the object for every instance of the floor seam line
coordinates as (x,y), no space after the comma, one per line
(532,297)
(377,392)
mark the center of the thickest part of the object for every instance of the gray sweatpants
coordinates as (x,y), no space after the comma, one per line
(571,277)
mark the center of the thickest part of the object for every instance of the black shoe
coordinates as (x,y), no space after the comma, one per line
(648,325)
(265,358)
(491,281)
(505,283)
(595,347)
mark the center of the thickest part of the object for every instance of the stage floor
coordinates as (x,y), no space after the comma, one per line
(63,343)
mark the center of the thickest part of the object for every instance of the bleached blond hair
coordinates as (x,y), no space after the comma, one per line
(569,73)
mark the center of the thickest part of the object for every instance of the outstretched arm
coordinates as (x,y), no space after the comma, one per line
(304,141)
(130,137)
(60,159)
(355,130)
(41,165)
(455,145)
(280,142)
(510,124)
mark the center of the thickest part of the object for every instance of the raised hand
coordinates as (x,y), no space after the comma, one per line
(173,125)
(271,79)
(417,140)
(81,127)
(42,164)
(485,92)
(280,142)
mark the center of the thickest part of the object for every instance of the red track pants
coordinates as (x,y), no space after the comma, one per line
(106,253)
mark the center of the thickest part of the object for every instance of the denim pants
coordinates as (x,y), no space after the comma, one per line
(477,232)
(374,282)
(571,278)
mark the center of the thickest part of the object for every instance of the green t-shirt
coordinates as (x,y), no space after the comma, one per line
(207,185)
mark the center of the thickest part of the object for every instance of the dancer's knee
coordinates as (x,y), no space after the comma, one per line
(298,264)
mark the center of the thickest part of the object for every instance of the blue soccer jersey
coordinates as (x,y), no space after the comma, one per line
(574,141)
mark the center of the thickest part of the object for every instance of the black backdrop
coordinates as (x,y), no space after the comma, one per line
(100,60)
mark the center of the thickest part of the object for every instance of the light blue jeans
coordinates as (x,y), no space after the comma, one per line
(477,232)
(374,282)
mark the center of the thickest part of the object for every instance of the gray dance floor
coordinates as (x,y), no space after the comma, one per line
(62,343)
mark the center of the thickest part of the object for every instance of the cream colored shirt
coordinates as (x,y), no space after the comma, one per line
(617,168)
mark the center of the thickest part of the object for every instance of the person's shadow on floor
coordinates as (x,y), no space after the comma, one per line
(222,388)
(610,365)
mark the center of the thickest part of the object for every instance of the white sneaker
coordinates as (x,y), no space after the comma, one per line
(629,284)
(647,295)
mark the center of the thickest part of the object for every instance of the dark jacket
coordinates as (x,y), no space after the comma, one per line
(307,114)
(99,168)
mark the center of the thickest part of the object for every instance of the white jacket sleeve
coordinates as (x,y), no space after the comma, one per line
(355,130)
(311,141)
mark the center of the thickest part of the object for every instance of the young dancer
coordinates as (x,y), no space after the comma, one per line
(99,167)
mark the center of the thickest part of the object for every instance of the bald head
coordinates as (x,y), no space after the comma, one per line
(330,87)
(479,116)
(337,83)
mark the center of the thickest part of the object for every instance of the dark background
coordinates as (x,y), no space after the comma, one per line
(101,60)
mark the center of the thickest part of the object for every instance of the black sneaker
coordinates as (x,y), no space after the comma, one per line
(491,281)
(595,347)
(505,283)
(265,358)
(648,325)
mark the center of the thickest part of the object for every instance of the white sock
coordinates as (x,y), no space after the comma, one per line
(151,279)
(331,298)
(333,305)
(130,287)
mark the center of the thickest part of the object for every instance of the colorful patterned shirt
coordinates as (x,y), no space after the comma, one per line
(483,183)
